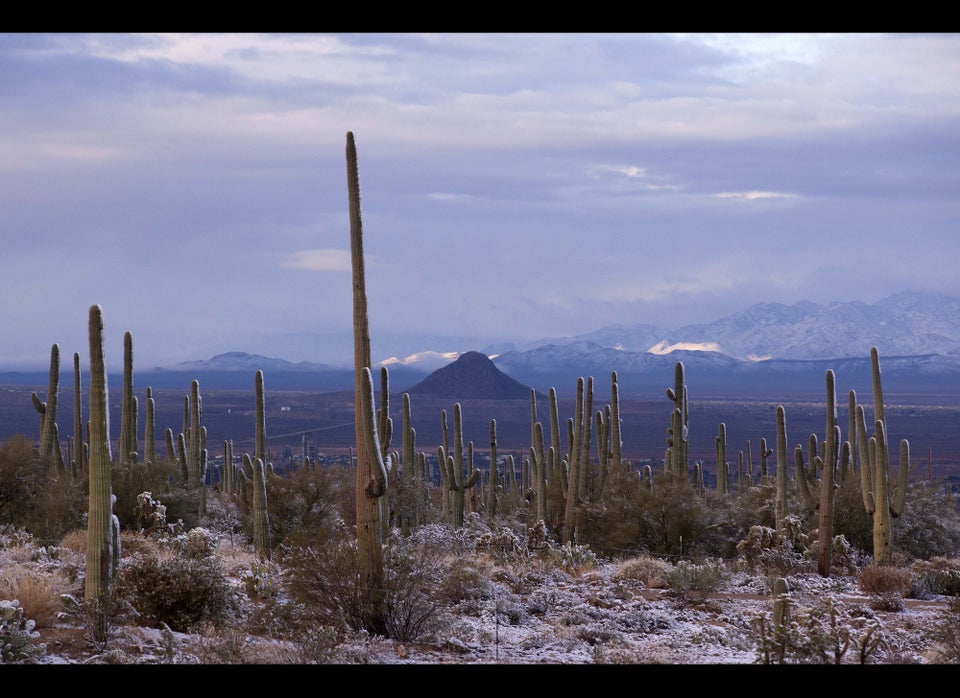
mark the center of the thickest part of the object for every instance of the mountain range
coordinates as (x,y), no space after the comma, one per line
(767,348)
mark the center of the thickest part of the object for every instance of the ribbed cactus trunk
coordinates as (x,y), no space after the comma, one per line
(723,474)
(827,479)
(128,434)
(100,529)
(571,510)
(48,409)
(258,506)
(149,429)
(780,496)
(538,467)
(676,458)
(495,484)
(78,461)
(371,473)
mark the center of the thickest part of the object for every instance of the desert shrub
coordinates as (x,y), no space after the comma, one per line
(884,579)
(34,496)
(930,524)
(946,634)
(38,592)
(890,601)
(304,504)
(130,480)
(938,575)
(671,516)
(326,582)
(183,592)
(16,634)
(467,579)
(850,518)
(754,506)
(612,523)
(646,569)
(691,581)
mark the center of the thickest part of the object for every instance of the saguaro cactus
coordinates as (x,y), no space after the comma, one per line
(495,484)
(128,410)
(780,497)
(677,454)
(827,466)
(875,470)
(78,461)
(101,541)
(459,481)
(149,436)
(371,475)
(258,505)
(48,409)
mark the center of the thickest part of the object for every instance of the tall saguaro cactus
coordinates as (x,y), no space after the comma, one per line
(677,454)
(48,409)
(780,496)
(101,541)
(371,475)
(875,470)
(128,410)
(78,460)
(149,429)
(827,466)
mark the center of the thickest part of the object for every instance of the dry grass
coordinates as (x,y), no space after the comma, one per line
(646,569)
(885,580)
(38,592)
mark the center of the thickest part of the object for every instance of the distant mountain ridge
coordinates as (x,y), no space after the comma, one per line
(766,348)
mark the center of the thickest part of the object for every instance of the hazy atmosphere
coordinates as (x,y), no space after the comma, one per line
(514,186)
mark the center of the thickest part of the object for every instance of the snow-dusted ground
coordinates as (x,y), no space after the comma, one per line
(595,617)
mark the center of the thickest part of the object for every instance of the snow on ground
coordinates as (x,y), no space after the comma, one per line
(592,618)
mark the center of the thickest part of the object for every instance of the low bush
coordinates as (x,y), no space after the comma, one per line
(184,593)
(880,580)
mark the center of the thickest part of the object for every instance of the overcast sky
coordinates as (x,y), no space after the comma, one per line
(513,186)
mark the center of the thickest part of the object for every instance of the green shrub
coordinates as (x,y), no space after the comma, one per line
(691,581)
(185,593)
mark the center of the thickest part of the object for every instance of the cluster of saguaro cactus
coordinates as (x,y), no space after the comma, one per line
(457,478)
(878,500)
(826,462)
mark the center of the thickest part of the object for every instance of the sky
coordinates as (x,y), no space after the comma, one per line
(514,187)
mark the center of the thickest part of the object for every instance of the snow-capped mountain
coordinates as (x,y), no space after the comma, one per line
(901,324)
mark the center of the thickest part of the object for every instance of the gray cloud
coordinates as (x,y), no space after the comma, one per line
(514,186)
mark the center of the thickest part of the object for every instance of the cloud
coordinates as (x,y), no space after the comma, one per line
(754,195)
(324,260)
